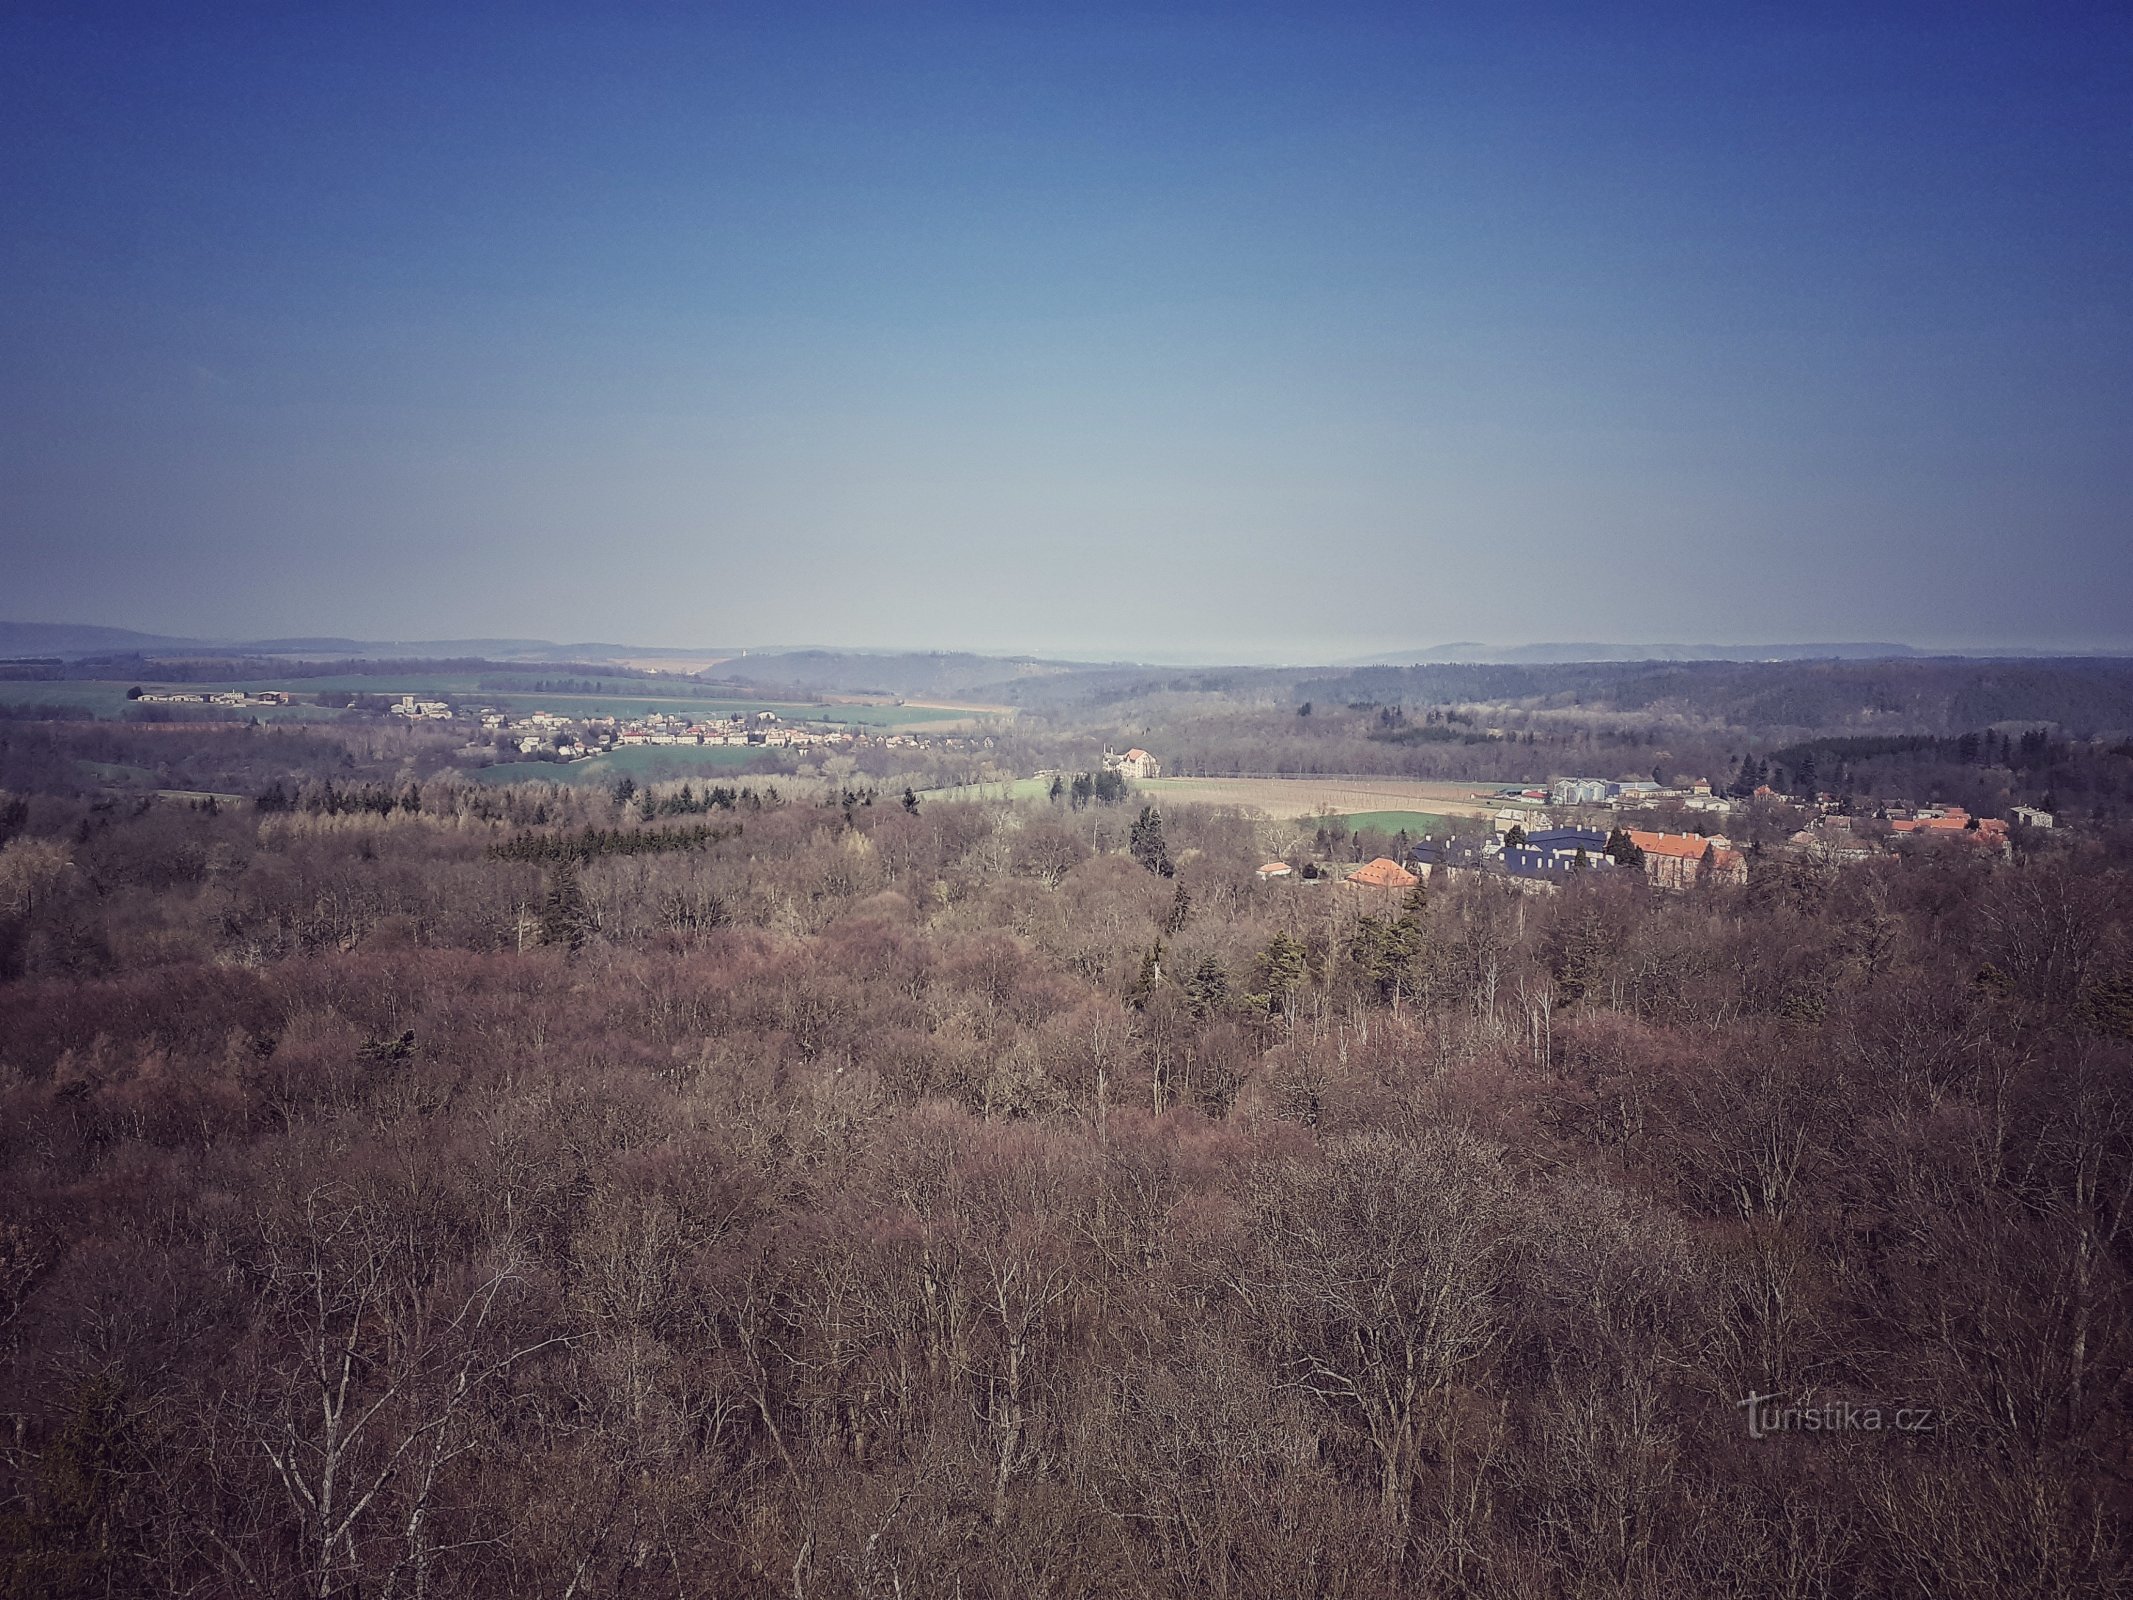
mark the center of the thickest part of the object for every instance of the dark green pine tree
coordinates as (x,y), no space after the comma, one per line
(1577,954)
(1146,843)
(1150,978)
(911,800)
(1383,952)
(565,920)
(1284,968)
(1207,988)
(1180,912)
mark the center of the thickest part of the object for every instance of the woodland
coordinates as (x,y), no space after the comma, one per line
(411,1187)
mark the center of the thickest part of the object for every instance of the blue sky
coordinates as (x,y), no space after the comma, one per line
(1266,332)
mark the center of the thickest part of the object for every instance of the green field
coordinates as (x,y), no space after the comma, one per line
(1417,823)
(109,700)
(1009,789)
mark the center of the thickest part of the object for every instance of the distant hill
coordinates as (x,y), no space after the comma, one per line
(68,639)
(900,672)
(1555,653)
(77,639)
(890,672)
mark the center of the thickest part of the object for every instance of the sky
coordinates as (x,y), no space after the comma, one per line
(1243,331)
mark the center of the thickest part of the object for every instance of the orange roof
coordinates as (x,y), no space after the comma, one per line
(1987,827)
(1275,869)
(1689,846)
(1383,873)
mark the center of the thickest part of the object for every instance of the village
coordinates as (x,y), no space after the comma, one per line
(553,736)
(1544,837)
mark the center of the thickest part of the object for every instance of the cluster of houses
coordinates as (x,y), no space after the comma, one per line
(579,738)
(1689,794)
(763,728)
(1545,856)
(742,728)
(542,730)
(225,697)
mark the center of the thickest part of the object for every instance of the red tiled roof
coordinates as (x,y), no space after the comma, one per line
(1688,846)
(1383,873)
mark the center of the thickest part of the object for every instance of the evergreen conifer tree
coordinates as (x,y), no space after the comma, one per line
(1146,843)
(1180,911)
(1284,968)
(1208,987)
(564,917)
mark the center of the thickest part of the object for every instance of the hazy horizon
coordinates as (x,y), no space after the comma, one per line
(1543,650)
(1126,334)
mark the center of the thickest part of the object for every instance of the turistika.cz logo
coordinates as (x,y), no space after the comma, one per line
(1767,1415)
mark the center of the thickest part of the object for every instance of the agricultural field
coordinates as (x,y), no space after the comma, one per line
(108,700)
(1006,789)
(619,698)
(1414,822)
(1362,801)
(1359,803)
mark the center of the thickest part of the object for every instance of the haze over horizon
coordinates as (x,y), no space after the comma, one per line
(1190,333)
